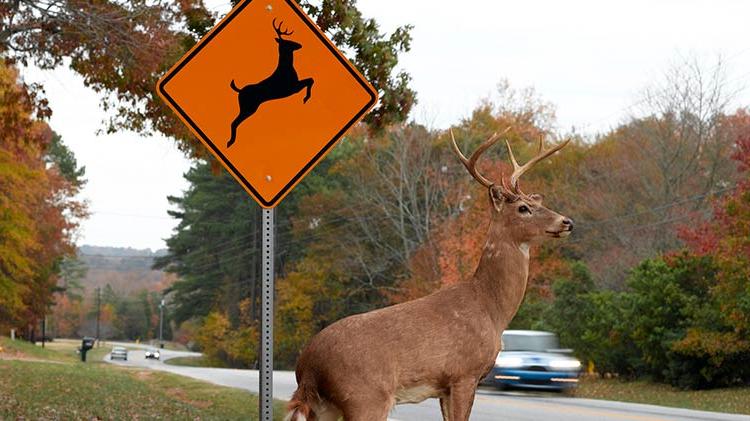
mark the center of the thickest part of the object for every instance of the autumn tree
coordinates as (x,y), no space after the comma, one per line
(726,239)
(655,170)
(40,214)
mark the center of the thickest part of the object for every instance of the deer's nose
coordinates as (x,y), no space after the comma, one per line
(568,223)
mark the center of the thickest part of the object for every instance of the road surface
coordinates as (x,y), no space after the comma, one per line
(489,405)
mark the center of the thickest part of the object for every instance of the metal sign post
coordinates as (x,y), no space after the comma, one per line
(266,329)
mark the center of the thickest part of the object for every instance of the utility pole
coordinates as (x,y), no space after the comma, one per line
(98,311)
(161,322)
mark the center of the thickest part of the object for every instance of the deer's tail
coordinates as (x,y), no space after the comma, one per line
(300,407)
(233,86)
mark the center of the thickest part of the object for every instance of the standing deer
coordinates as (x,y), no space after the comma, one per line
(438,346)
(282,83)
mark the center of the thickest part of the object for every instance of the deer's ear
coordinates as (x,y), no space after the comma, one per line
(496,198)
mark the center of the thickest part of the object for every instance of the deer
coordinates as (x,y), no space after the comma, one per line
(282,83)
(441,345)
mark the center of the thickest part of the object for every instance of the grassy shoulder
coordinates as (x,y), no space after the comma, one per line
(194,362)
(732,400)
(38,383)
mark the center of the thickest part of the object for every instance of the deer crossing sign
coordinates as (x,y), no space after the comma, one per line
(268,94)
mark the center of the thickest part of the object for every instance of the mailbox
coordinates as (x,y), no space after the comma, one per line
(86,344)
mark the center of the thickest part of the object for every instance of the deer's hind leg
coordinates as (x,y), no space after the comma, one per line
(325,411)
(460,400)
(366,413)
(445,408)
(244,114)
(367,407)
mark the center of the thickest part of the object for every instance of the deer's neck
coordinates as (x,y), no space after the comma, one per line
(501,276)
(286,57)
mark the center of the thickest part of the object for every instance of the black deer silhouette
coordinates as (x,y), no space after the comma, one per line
(282,83)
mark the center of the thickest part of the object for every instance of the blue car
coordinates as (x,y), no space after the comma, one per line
(533,359)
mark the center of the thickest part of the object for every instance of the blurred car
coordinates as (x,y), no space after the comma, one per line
(119,352)
(153,353)
(533,359)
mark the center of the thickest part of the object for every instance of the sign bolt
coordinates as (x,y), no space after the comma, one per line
(268,178)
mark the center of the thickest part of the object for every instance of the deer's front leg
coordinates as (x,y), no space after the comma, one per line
(307,83)
(460,400)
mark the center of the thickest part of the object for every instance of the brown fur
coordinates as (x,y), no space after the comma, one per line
(438,346)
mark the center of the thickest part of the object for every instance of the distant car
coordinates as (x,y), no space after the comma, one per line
(533,359)
(119,352)
(153,353)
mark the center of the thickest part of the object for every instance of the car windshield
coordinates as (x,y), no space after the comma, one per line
(538,342)
(118,348)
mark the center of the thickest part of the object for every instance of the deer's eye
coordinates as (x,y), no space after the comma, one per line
(524,209)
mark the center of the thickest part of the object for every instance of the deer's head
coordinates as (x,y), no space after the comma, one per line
(285,44)
(521,216)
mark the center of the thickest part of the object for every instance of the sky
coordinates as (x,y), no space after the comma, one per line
(590,59)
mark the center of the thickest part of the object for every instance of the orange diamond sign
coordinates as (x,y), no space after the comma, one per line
(268,94)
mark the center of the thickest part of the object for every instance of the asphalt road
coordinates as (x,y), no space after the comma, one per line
(489,405)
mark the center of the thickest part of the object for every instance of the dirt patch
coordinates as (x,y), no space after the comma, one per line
(180,395)
(143,375)
(10,354)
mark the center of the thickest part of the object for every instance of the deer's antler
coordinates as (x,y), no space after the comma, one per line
(278,29)
(471,163)
(519,170)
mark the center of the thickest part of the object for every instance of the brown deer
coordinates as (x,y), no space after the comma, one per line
(438,346)
(282,83)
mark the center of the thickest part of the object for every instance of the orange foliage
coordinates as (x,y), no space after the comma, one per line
(453,251)
(38,216)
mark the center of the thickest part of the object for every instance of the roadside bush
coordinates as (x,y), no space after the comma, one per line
(669,325)
(673,317)
(570,312)
(224,345)
(658,310)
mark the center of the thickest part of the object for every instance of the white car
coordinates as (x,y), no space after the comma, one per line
(119,352)
(153,353)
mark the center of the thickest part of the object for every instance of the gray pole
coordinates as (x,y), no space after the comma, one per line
(98,311)
(161,322)
(266,331)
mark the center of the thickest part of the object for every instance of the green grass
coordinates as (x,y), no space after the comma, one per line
(61,387)
(733,400)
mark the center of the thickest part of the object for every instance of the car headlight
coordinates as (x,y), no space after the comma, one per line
(509,362)
(569,364)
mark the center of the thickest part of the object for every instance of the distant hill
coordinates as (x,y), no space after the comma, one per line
(125,269)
